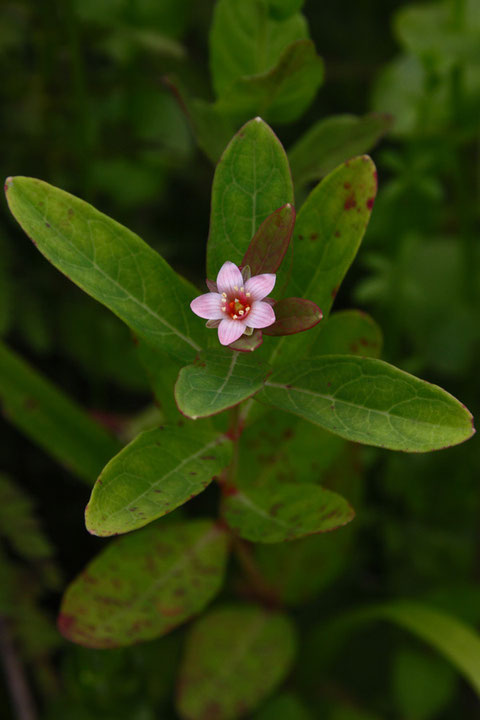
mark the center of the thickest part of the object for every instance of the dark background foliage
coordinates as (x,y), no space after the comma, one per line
(85,106)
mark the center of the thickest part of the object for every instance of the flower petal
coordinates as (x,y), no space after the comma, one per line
(230,330)
(261,315)
(208,306)
(211,285)
(259,286)
(228,278)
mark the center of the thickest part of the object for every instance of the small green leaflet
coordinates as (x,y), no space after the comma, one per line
(156,473)
(145,584)
(218,380)
(251,181)
(368,401)
(276,512)
(235,656)
(110,263)
(332,141)
(281,94)
(245,41)
(52,420)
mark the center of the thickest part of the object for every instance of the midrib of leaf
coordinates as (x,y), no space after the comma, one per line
(174,470)
(227,377)
(334,399)
(133,298)
(189,554)
(259,511)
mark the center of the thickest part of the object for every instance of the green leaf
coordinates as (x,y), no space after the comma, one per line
(270,243)
(422,683)
(371,402)
(282,9)
(251,181)
(145,584)
(294,315)
(218,380)
(276,512)
(349,332)
(286,706)
(110,263)
(49,418)
(332,141)
(283,93)
(328,232)
(156,473)
(235,656)
(212,130)
(244,40)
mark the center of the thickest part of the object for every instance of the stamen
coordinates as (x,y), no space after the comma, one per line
(247,308)
(235,287)
(242,289)
(241,312)
(224,309)
(237,300)
(235,317)
(224,295)
(248,294)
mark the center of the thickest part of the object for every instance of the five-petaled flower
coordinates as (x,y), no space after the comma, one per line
(235,304)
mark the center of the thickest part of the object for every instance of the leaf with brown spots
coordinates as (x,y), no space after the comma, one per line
(349,332)
(234,658)
(145,584)
(157,472)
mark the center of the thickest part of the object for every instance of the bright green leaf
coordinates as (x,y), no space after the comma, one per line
(145,584)
(244,40)
(218,380)
(47,416)
(283,93)
(156,473)
(332,141)
(277,512)
(251,181)
(349,332)
(235,656)
(371,402)
(110,263)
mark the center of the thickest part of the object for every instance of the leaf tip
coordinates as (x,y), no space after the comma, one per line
(8,184)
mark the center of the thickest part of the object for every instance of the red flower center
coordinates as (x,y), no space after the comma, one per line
(238,306)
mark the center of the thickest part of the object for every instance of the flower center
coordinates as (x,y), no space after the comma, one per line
(238,306)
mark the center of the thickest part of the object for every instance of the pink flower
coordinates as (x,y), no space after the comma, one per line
(235,305)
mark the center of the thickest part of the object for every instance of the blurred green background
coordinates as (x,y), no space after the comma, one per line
(85,105)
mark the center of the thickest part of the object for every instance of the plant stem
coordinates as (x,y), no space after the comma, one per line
(17,683)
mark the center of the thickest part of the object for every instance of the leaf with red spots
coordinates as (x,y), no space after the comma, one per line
(275,512)
(235,657)
(219,380)
(294,315)
(145,584)
(332,141)
(110,263)
(251,181)
(349,332)
(369,401)
(156,473)
(270,243)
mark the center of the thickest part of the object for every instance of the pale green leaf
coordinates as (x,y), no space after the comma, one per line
(49,418)
(156,473)
(368,401)
(218,380)
(235,656)
(110,263)
(251,181)
(145,584)
(348,332)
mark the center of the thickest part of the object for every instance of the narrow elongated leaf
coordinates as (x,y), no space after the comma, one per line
(294,315)
(455,640)
(283,93)
(332,141)
(251,181)
(270,243)
(371,402)
(145,584)
(218,380)
(110,263)
(53,421)
(244,40)
(235,656)
(328,232)
(349,332)
(277,512)
(156,473)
